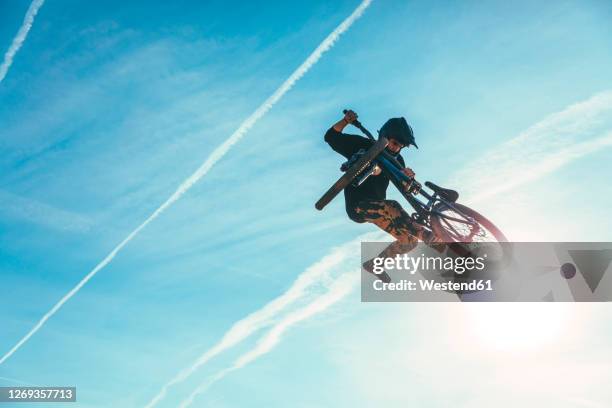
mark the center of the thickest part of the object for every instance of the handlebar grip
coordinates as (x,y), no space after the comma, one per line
(355,123)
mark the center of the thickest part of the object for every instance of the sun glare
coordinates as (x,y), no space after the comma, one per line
(519,326)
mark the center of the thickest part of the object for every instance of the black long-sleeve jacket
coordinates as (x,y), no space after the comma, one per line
(375,187)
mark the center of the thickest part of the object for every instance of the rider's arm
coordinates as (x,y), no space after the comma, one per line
(348,118)
(406,170)
(340,125)
(346,145)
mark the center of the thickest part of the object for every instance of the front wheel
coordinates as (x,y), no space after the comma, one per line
(356,169)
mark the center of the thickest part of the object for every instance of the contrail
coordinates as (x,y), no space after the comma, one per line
(264,316)
(547,164)
(338,290)
(212,159)
(562,137)
(28,20)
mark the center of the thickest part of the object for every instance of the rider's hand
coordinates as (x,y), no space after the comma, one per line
(350,116)
(408,171)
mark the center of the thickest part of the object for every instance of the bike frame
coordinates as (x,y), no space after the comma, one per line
(423,210)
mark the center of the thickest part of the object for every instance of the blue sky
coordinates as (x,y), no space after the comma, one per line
(107,109)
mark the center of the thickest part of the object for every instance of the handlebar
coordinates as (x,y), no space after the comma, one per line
(359,126)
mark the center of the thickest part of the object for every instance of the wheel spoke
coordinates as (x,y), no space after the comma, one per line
(462,224)
(467,233)
(451,229)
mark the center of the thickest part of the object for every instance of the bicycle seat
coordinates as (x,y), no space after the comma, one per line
(445,193)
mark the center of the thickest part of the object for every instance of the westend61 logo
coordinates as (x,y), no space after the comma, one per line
(530,271)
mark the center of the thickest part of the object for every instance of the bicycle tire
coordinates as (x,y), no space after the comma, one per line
(351,173)
(483,221)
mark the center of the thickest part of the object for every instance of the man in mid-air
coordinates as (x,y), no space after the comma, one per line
(367,202)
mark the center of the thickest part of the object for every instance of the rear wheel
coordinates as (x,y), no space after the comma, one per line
(461,224)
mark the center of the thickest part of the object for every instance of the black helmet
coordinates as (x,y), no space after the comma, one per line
(398,129)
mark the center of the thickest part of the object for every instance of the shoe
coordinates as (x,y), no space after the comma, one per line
(369,267)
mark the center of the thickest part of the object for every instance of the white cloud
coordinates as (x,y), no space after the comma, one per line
(17,207)
(244,328)
(579,130)
(340,287)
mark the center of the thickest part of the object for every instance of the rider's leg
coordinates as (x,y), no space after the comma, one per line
(389,216)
